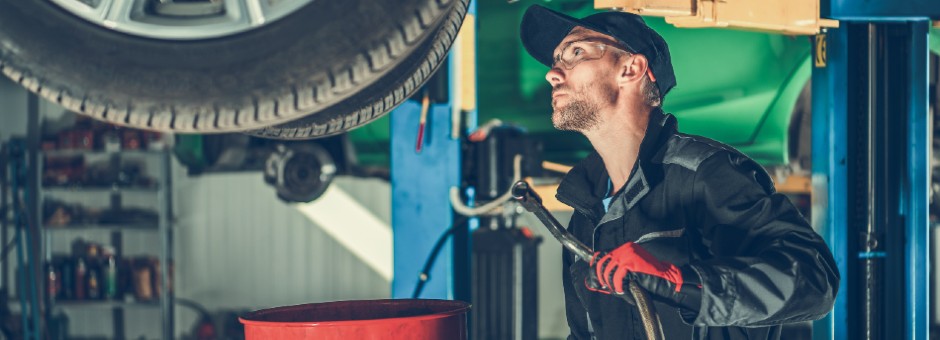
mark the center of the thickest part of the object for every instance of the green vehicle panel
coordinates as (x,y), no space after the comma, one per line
(737,87)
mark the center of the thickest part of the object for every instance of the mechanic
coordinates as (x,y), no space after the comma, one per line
(695,222)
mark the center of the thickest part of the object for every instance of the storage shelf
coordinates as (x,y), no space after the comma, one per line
(117,227)
(78,152)
(153,187)
(14,302)
(91,189)
(106,303)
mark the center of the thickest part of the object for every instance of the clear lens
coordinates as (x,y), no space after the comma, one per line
(577,51)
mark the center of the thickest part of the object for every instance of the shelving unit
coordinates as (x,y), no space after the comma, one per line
(158,167)
(109,303)
(99,190)
(73,227)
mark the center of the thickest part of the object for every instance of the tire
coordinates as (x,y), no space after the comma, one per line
(369,105)
(269,75)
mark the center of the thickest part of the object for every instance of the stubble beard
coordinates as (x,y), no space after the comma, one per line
(581,113)
(578,115)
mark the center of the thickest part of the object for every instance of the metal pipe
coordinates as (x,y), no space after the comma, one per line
(34,241)
(4,215)
(871,257)
(165,192)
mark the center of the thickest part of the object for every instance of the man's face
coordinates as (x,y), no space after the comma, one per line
(580,92)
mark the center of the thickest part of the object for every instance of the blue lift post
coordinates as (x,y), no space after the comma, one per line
(870,165)
(421,209)
(916,199)
(829,168)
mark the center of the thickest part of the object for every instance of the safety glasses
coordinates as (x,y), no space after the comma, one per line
(575,52)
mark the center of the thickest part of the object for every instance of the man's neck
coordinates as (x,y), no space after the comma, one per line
(618,139)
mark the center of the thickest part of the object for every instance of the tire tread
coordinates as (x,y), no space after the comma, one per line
(295,102)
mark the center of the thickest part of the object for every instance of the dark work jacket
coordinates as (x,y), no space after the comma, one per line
(709,209)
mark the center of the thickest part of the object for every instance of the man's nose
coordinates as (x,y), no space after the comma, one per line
(555,76)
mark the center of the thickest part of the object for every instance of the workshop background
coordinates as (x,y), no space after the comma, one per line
(112,232)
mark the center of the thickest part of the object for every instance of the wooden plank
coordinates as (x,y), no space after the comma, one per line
(547,193)
(794,184)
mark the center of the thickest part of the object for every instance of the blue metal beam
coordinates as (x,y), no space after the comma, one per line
(421,210)
(917,186)
(830,203)
(872,10)
(831,171)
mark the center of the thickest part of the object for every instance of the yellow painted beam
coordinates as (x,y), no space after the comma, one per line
(659,8)
(466,40)
(798,17)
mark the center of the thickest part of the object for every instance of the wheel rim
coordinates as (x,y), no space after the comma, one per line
(181,20)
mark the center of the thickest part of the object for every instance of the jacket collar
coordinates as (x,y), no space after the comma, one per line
(586,184)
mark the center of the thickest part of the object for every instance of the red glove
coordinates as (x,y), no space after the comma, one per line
(630,261)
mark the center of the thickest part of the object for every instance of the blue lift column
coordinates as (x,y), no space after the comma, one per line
(421,210)
(421,180)
(871,165)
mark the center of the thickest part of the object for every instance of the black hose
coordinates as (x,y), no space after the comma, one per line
(195,306)
(425,274)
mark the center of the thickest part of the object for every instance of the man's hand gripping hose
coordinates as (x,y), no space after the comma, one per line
(523,193)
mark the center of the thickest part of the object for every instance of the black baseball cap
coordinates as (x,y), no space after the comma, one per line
(543,29)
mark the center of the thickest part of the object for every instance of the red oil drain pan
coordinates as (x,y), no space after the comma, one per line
(417,319)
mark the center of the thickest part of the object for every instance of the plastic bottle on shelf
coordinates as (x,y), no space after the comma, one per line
(81,269)
(93,273)
(94,282)
(53,279)
(143,279)
(109,267)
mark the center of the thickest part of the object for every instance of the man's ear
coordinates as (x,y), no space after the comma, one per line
(633,69)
